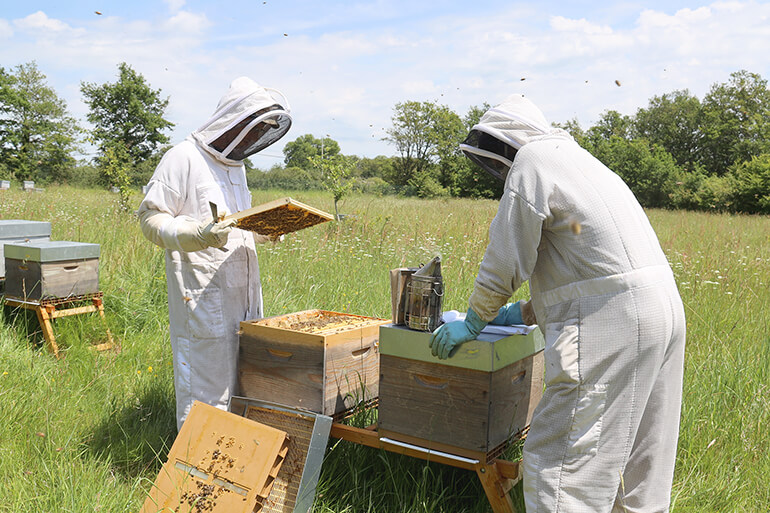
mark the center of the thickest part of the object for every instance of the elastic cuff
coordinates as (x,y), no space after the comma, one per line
(474,322)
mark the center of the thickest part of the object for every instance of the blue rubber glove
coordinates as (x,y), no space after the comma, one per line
(449,336)
(508,315)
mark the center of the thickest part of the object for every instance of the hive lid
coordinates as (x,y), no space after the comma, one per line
(295,485)
(490,352)
(19,229)
(279,217)
(219,463)
(51,250)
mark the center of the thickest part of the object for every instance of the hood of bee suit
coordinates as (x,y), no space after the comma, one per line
(247,119)
(502,131)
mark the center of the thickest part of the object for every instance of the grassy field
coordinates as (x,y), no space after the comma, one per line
(89,432)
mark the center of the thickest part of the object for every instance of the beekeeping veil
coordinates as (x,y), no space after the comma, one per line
(502,130)
(249,118)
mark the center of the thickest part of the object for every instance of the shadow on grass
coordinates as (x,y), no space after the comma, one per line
(367,480)
(24,323)
(136,437)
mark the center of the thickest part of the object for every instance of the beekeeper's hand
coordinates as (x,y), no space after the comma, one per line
(195,236)
(447,337)
(262,239)
(508,315)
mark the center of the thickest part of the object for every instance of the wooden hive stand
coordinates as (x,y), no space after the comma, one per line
(497,476)
(48,309)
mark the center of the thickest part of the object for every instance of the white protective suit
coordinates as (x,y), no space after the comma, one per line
(605,298)
(210,290)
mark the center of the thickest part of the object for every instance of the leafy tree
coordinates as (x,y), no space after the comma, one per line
(734,122)
(671,121)
(116,166)
(380,167)
(423,133)
(650,172)
(610,124)
(298,152)
(336,176)
(38,136)
(752,185)
(128,112)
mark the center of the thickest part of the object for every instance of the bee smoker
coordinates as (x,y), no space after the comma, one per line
(424,297)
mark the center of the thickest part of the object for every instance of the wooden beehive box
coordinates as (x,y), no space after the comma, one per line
(470,404)
(18,231)
(51,269)
(321,361)
(219,462)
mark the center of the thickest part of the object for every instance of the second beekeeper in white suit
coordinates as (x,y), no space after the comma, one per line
(211,268)
(603,438)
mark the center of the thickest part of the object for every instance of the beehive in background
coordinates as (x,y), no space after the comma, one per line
(51,269)
(19,231)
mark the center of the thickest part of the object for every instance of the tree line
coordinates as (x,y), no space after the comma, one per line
(677,152)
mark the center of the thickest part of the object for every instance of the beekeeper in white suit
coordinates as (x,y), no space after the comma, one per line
(604,435)
(211,268)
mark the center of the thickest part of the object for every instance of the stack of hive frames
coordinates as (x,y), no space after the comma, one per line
(295,485)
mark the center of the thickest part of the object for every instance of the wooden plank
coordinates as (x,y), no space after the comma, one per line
(351,375)
(508,469)
(73,311)
(282,371)
(496,492)
(219,462)
(448,405)
(45,324)
(515,391)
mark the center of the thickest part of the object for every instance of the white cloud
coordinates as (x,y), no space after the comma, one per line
(562,24)
(6,31)
(175,5)
(188,22)
(40,22)
(342,77)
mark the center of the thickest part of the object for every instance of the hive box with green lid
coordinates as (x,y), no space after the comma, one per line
(470,404)
(51,269)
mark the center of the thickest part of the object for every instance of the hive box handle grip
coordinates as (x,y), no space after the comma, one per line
(431,382)
(279,355)
(358,353)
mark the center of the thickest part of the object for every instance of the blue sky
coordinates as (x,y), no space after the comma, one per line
(344,65)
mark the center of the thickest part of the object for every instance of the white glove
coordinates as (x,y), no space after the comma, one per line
(195,236)
(263,239)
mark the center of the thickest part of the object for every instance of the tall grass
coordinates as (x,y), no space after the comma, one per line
(89,432)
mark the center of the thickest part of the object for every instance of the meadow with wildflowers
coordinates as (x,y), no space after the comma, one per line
(89,431)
